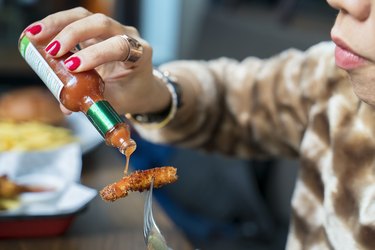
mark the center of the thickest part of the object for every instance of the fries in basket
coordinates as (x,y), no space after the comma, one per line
(30,136)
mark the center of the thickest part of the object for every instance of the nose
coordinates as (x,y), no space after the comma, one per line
(359,9)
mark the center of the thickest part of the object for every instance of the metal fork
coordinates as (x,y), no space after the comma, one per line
(152,235)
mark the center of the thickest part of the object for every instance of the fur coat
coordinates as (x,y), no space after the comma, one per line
(295,104)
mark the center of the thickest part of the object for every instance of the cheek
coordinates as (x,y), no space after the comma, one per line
(364,85)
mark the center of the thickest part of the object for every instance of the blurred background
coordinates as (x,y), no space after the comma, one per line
(219,202)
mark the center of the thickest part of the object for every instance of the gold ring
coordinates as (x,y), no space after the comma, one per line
(135,49)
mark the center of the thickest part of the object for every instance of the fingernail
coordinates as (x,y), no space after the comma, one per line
(53,48)
(72,63)
(34,29)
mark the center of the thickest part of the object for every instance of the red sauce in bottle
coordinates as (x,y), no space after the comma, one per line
(79,92)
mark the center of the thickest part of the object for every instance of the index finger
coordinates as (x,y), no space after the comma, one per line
(48,27)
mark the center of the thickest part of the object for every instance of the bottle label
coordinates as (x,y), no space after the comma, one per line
(40,67)
(103,116)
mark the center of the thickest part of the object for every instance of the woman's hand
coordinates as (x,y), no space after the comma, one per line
(130,87)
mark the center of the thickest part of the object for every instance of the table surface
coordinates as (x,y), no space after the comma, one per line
(103,225)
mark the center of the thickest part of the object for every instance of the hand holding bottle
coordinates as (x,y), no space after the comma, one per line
(129,86)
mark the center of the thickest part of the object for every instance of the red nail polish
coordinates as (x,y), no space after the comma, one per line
(53,48)
(72,63)
(35,29)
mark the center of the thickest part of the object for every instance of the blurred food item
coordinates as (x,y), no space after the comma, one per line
(51,187)
(30,104)
(10,191)
(9,203)
(30,136)
(139,180)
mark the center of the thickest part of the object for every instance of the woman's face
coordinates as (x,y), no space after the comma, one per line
(354,35)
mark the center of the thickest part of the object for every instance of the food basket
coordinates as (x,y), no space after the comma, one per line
(48,213)
(25,226)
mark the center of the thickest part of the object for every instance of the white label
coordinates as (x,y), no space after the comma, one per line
(43,70)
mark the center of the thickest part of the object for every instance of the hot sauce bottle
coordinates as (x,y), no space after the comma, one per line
(79,92)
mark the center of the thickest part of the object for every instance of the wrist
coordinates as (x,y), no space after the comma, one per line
(167,108)
(161,97)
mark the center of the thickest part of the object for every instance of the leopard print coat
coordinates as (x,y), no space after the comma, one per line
(296,104)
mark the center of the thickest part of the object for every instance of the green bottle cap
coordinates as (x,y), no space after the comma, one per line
(103,117)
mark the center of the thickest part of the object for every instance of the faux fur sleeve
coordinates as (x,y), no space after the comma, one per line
(250,108)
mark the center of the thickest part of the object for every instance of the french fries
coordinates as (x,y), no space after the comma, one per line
(32,136)
(9,203)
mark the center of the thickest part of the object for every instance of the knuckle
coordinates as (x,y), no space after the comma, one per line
(147,47)
(50,19)
(101,19)
(147,52)
(70,31)
(55,18)
(132,30)
(82,11)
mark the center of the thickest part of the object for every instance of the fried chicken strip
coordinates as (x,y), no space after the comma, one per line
(140,181)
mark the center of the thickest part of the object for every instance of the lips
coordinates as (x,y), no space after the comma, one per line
(345,57)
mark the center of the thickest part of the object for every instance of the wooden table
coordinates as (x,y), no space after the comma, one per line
(104,225)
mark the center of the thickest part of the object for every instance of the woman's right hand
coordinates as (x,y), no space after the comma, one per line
(130,87)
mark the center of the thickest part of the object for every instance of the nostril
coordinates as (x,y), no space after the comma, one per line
(359,10)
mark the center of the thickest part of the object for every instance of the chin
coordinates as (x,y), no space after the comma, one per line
(364,87)
(367,100)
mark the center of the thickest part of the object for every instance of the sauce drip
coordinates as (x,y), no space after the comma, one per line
(128,152)
(126,165)
(120,137)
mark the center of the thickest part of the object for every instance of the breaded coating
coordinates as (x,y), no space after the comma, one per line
(140,181)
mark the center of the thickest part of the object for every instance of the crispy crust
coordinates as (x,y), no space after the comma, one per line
(140,181)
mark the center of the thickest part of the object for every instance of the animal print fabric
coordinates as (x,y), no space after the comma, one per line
(295,104)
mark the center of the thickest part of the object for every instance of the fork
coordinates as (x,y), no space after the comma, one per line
(152,235)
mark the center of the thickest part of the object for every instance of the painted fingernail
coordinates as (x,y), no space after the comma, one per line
(53,48)
(72,63)
(34,29)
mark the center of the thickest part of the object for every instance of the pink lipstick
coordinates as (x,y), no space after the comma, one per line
(345,57)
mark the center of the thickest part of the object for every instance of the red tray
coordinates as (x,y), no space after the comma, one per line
(36,226)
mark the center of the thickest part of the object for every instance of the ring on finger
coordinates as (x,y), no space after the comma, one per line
(135,49)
